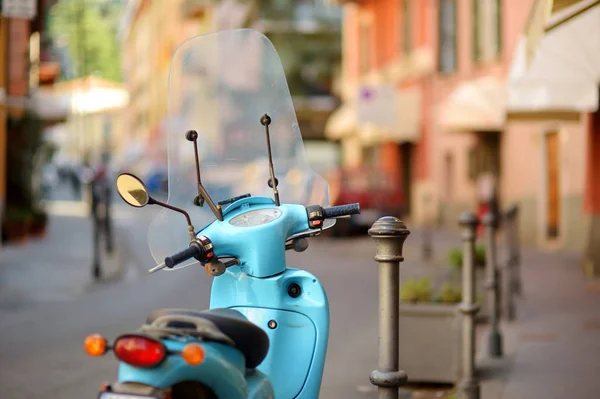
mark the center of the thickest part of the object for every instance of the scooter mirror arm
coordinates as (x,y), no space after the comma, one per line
(191,230)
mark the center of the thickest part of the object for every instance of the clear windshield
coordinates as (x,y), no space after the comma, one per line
(220,85)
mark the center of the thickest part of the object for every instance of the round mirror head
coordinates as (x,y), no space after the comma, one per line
(132,190)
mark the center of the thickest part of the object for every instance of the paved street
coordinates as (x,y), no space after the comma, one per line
(48,304)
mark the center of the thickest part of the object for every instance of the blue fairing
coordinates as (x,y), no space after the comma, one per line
(300,338)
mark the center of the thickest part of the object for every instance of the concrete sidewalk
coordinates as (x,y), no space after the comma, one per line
(552,350)
(59,266)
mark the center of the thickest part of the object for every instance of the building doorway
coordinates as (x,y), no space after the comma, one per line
(406,171)
(552,185)
(485,171)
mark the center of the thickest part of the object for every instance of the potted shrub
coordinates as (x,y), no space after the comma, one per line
(15,225)
(25,156)
(455,259)
(39,222)
(430,332)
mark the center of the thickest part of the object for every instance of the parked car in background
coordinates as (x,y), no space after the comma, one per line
(156,179)
(378,193)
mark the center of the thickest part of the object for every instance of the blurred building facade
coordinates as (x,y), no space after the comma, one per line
(150,33)
(426,103)
(94,127)
(305,33)
(387,72)
(476,119)
(27,71)
(553,127)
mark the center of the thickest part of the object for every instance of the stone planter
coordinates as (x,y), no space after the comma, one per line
(430,342)
(38,227)
(15,232)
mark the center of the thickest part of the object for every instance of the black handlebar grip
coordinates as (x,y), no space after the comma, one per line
(193,251)
(341,210)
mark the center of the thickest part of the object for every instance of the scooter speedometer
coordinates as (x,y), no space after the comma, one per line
(256,217)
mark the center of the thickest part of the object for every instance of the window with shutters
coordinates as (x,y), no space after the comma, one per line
(364,53)
(487,29)
(406,27)
(447,33)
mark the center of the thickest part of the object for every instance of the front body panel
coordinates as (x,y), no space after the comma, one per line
(299,342)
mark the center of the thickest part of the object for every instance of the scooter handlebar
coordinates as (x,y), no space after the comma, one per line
(193,251)
(341,210)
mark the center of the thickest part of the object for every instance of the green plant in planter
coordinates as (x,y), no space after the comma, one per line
(479,299)
(16,224)
(449,294)
(18,215)
(455,257)
(38,223)
(480,257)
(416,291)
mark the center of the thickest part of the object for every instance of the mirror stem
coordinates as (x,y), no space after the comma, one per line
(266,121)
(191,231)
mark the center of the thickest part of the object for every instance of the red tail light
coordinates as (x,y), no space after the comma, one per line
(140,351)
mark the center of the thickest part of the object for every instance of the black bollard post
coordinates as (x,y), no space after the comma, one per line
(108,219)
(492,284)
(427,237)
(518,279)
(469,386)
(96,263)
(389,234)
(509,268)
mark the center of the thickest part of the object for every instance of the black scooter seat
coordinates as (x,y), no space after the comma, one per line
(248,338)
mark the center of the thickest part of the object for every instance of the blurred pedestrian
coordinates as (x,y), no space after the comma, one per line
(75,180)
(488,197)
(100,213)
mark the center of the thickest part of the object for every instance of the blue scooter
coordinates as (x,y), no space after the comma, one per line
(265,334)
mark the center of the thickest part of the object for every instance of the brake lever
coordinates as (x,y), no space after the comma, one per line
(157,268)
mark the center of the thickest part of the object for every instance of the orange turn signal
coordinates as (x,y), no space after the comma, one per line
(193,354)
(95,345)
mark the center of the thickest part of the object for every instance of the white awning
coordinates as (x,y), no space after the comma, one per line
(388,114)
(341,123)
(50,106)
(476,105)
(564,72)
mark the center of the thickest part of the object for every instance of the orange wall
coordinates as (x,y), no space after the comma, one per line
(18,57)
(386,44)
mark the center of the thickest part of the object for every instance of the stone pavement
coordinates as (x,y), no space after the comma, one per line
(553,348)
(59,267)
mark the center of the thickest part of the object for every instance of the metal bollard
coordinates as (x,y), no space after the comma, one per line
(389,234)
(427,247)
(508,274)
(516,245)
(469,385)
(492,284)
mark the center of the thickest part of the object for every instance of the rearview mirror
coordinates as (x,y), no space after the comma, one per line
(132,190)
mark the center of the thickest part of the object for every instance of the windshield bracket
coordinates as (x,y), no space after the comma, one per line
(203,195)
(265,120)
